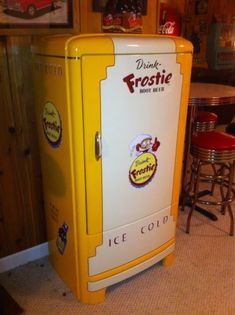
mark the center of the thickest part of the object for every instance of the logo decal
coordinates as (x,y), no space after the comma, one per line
(61,240)
(52,125)
(144,165)
(154,78)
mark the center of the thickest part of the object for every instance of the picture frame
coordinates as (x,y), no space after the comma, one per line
(99,6)
(36,14)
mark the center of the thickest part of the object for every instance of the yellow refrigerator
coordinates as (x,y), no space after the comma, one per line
(111,113)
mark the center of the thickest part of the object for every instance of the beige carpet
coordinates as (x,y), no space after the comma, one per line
(200,281)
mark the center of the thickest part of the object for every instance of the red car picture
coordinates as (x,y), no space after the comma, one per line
(29,8)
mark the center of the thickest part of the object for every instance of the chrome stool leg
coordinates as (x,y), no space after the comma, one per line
(229,197)
(196,166)
(217,150)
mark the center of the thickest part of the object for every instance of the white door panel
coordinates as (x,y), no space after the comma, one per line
(133,240)
(126,116)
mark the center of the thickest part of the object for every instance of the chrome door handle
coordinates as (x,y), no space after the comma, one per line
(98,146)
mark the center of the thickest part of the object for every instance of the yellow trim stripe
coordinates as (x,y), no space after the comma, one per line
(132,263)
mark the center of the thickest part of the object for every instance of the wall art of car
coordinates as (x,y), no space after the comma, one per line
(30,8)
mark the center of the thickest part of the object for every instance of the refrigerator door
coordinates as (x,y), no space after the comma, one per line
(131,137)
(140,101)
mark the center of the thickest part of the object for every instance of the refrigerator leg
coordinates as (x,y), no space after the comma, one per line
(168,260)
(94,297)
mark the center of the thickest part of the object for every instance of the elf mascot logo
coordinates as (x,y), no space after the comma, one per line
(144,165)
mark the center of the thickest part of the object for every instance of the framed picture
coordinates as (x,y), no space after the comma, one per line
(99,5)
(36,14)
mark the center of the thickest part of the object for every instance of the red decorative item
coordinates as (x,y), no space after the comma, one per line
(123,16)
(169,20)
(155,145)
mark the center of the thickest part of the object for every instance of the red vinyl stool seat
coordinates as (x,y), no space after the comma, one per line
(215,149)
(204,121)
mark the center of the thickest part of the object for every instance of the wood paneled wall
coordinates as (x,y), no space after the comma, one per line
(22,223)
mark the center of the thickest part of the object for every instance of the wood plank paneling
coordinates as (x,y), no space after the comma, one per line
(22,213)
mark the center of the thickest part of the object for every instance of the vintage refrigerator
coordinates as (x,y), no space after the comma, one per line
(111,113)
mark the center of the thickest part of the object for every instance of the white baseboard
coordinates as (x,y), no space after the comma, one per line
(23,257)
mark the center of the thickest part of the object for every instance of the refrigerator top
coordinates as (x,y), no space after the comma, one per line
(75,46)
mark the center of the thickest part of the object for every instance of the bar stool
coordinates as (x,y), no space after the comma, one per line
(204,121)
(218,150)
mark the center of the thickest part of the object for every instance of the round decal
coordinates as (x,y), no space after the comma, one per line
(52,124)
(143,169)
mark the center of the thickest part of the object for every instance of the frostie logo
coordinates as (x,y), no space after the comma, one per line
(52,125)
(144,165)
(147,83)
